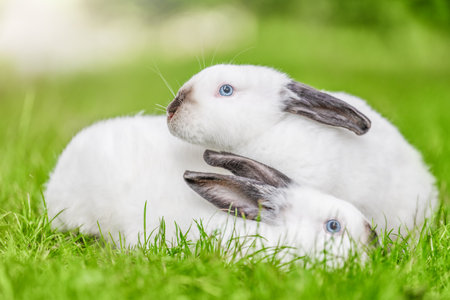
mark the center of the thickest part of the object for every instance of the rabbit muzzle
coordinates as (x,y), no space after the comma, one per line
(176,103)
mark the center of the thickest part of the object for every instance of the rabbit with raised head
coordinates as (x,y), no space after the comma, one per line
(307,134)
(110,171)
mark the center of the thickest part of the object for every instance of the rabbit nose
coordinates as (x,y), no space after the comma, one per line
(173,106)
(176,103)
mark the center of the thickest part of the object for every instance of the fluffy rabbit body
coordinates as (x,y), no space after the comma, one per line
(110,170)
(263,114)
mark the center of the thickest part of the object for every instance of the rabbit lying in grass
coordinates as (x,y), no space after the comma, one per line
(307,134)
(110,171)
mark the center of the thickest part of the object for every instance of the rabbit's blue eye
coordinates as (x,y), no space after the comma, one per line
(333,226)
(226,90)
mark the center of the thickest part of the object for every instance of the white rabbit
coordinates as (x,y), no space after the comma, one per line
(261,113)
(109,171)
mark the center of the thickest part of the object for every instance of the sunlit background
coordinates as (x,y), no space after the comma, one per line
(49,36)
(65,64)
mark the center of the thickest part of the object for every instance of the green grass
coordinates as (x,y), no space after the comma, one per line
(405,74)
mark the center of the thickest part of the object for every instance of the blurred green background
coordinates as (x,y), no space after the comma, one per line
(367,13)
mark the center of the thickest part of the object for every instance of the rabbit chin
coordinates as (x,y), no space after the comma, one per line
(189,126)
(193,134)
(191,131)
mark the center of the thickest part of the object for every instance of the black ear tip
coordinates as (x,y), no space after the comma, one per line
(200,177)
(208,156)
(364,127)
(208,153)
(190,176)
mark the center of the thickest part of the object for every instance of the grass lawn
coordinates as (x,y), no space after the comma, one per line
(404,74)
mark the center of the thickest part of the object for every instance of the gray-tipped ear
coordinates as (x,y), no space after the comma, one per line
(246,167)
(325,108)
(240,196)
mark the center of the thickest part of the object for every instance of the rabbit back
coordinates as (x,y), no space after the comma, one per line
(110,170)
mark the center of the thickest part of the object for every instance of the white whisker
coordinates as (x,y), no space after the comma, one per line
(159,109)
(199,63)
(214,55)
(239,53)
(203,56)
(158,72)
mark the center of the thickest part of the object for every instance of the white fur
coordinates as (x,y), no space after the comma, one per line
(111,169)
(379,172)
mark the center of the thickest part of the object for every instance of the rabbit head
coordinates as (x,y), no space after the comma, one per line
(226,105)
(310,219)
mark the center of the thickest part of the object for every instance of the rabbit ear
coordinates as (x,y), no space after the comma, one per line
(246,167)
(238,195)
(325,108)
